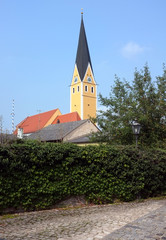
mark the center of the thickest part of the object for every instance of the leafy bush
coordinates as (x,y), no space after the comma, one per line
(36,175)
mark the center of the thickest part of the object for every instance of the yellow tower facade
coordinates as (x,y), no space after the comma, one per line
(83,88)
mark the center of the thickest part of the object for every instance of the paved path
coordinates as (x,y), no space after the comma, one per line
(128,221)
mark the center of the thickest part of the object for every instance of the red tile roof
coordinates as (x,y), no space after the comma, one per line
(69,117)
(35,122)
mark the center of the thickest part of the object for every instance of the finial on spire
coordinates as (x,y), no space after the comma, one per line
(81,12)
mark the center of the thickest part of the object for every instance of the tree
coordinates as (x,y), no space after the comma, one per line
(141,100)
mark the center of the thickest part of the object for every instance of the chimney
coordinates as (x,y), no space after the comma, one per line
(20,133)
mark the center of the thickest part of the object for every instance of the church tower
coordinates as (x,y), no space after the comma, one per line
(83,89)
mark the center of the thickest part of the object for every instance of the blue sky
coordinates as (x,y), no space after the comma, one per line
(38,44)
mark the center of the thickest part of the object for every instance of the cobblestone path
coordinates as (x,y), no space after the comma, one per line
(127,221)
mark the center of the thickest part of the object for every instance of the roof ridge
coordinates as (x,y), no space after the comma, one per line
(42,113)
(68,113)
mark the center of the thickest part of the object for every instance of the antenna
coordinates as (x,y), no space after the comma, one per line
(13,114)
(39,111)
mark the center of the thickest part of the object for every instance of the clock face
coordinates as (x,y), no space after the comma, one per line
(89,80)
(75,80)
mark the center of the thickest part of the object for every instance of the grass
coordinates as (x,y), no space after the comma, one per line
(8,216)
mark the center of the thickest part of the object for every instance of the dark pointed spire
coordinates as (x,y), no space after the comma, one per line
(83,56)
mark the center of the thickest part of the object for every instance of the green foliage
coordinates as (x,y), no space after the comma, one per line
(36,175)
(141,100)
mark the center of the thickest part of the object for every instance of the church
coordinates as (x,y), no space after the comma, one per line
(83,95)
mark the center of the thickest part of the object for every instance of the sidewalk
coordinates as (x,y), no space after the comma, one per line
(135,220)
(150,226)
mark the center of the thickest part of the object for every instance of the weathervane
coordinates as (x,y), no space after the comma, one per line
(82,11)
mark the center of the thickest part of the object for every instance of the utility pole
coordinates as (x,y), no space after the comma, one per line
(13,114)
(1,132)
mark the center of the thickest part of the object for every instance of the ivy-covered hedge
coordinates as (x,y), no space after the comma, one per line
(36,175)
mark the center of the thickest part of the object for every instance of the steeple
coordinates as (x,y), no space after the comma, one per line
(83,88)
(83,56)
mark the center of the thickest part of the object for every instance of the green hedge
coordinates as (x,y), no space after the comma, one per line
(36,175)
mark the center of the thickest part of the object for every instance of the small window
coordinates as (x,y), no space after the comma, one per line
(92,90)
(78,88)
(75,80)
(89,80)
(86,88)
(73,90)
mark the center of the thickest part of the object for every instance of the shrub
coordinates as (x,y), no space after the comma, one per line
(36,175)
